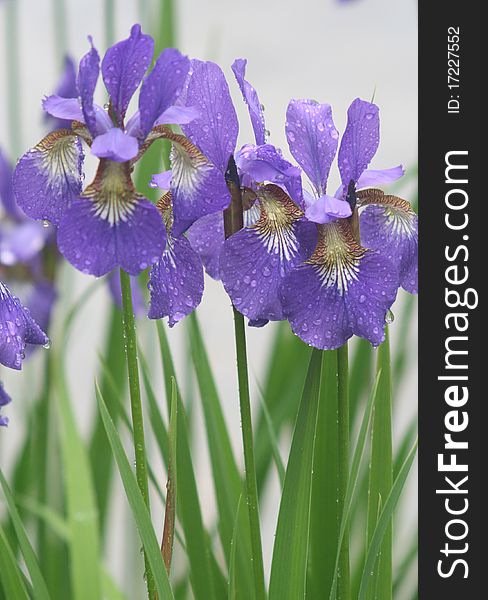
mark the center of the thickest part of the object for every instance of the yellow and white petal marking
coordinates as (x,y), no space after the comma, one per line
(189,167)
(112,192)
(399,216)
(337,256)
(278,213)
(59,155)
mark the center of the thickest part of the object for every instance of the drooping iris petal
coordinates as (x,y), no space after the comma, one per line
(138,303)
(360,140)
(110,226)
(4,400)
(327,208)
(87,81)
(161,87)
(17,328)
(206,237)
(123,68)
(6,192)
(49,176)
(251,99)
(175,282)
(342,290)
(312,138)
(115,145)
(390,227)
(215,130)
(266,164)
(197,186)
(373,177)
(64,109)
(254,261)
(20,242)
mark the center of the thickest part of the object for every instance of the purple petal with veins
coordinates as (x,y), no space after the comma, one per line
(312,138)
(17,328)
(87,81)
(207,237)
(176,282)
(66,109)
(215,130)
(360,140)
(161,87)
(123,68)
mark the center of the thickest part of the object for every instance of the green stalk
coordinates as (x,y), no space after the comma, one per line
(13,77)
(136,404)
(344,577)
(233,221)
(381,474)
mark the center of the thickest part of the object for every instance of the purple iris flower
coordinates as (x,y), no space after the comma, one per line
(108,224)
(17,329)
(367,241)
(252,262)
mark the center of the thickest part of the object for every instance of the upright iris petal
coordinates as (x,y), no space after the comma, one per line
(161,87)
(17,328)
(87,81)
(215,130)
(342,290)
(123,68)
(255,260)
(176,279)
(251,99)
(312,138)
(111,225)
(360,140)
(49,176)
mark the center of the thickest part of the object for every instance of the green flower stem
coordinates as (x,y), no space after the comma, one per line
(247,439)
(136,404)
(344,579)
(233,221)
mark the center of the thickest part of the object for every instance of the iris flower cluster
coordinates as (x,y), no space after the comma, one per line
(331,264)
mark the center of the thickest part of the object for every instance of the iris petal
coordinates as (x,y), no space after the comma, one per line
(251,99)
(342,290)
(360,140)
(312,138)
(111,225)
(254,261)
(215,130)
(17,328)
(115,145)
(87,81)
(49,176)
(207,237)
(390,227)
(4,400)
(123,68)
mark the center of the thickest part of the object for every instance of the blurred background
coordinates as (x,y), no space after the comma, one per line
(323,49)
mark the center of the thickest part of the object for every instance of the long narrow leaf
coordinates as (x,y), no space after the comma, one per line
(10,573)
(384,522)
(289,565)
(38,583)
(82,510)
(139,509)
